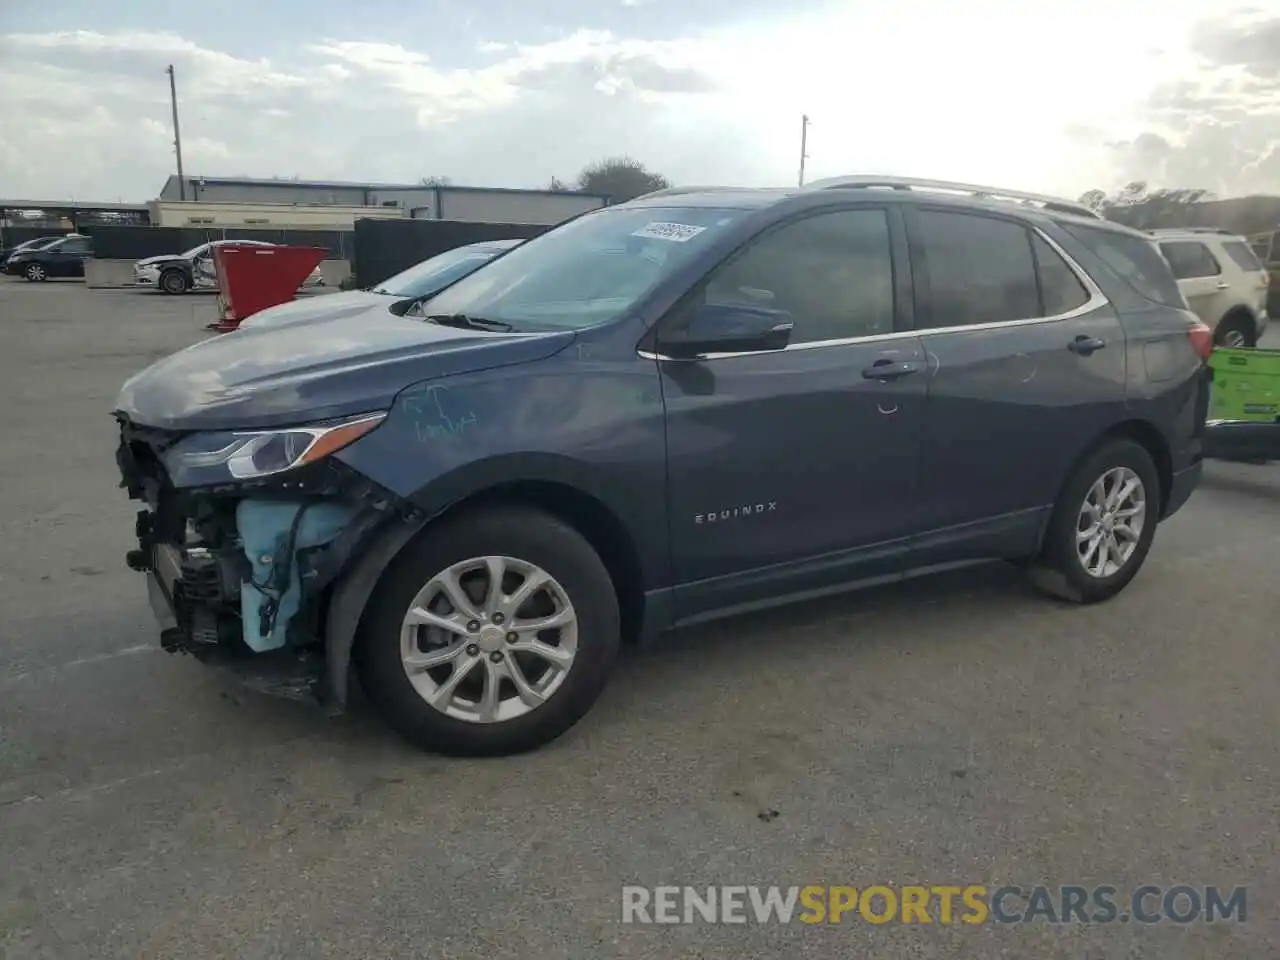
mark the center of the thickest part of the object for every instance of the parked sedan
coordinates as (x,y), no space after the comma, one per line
(420,281)
(65,257)
(39,243)
(178,273)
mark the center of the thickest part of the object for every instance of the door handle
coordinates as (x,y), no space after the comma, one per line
(1086,345)
(1224,286)
(886,369)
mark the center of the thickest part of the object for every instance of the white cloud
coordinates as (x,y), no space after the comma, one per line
(1053,98)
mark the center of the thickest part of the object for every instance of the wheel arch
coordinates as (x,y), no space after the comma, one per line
(180,269)
(1241,311)
(585,512)
(1142,432)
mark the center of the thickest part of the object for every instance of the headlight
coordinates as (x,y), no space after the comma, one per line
(206,458)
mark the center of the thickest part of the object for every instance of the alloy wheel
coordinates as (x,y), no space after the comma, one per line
(1110,523)
(1233,339)
(489,639)
(35,272)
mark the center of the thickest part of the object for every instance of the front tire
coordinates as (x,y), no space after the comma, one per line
(173,282)
(35,273)
(491,635)
(1102,526)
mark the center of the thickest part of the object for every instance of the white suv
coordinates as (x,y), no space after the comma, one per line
(1222,280)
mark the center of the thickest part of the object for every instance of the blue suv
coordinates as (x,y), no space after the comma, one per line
(693,404)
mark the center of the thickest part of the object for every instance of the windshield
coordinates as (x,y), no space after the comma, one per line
(590,270)
(438,272)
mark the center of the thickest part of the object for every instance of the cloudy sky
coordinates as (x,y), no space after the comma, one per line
(1056,96)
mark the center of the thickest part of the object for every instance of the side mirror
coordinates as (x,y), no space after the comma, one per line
(728,328)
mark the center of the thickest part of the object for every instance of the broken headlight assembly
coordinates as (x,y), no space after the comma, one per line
(210,458)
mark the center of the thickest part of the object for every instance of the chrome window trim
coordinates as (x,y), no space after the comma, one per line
(1097,300)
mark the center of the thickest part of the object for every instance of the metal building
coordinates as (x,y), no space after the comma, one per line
(476,204)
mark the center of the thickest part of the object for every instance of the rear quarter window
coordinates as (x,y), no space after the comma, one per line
(1134,260)
(1242,256)
(1190,259)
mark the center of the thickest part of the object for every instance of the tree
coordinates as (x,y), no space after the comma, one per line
(621,179)
(1137,206)
(436,181)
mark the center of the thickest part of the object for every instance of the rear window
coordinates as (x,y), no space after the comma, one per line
(1244,258)
(1133,259)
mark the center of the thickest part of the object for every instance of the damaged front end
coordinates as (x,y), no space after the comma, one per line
(244,538)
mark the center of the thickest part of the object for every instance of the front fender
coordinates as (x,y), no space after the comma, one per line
(351,594)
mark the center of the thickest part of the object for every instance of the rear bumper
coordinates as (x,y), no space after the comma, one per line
(1242,440)
(1183,485)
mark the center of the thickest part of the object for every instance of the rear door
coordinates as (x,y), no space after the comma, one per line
(1201,278)
(1027,366)
(1253,291)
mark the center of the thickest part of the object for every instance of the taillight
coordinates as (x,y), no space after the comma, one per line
(1201,338)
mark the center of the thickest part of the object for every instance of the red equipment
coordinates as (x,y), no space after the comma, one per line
(254,278)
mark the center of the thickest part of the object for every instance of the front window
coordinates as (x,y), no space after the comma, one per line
(196,251)
(436,273)
(590,270)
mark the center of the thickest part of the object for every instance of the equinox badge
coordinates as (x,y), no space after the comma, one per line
(736,513)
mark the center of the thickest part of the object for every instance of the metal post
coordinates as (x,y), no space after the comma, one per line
(804,141)
(177,136)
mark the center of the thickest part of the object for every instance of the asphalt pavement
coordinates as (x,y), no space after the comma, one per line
(956,730)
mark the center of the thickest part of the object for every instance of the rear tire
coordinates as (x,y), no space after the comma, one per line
(524,541)
(1094,547)
(173,282)
(1236,331)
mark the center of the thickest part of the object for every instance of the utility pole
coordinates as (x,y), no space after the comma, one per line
(177,136)
(804,143)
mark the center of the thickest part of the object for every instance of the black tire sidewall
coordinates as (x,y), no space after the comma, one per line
(1245,325)
(525,534)
(1061,549)
(164,278)
(31,273)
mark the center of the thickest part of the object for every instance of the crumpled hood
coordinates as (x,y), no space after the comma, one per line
(156,261)
(320,307)
(354,362)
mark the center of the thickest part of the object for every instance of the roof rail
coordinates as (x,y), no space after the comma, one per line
(973,190)
(1220,230)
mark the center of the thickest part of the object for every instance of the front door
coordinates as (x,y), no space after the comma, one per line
(69,257)
(794,469)
(1027,367)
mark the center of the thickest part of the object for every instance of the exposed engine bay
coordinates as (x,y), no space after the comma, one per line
(240,573)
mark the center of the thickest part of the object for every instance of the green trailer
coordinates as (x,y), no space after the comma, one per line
(1244,405)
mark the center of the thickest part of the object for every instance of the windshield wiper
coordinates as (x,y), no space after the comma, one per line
(469,323)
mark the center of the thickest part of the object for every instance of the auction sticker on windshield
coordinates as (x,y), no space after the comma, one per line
(675,232)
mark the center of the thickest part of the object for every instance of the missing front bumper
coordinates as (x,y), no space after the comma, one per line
(289,673)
